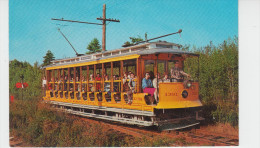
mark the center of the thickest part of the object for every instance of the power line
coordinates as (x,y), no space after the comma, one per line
(75,21)
(103,19)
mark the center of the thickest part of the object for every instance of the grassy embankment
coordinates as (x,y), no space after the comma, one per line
(40,126)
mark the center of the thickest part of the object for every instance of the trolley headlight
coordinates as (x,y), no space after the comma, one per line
(189,84)
(184,94)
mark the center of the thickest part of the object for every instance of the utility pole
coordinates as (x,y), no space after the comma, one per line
(104,29)
(103,19)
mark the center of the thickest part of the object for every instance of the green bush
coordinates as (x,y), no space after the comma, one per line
(218,68)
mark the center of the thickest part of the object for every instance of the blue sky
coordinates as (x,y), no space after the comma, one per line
(32,32)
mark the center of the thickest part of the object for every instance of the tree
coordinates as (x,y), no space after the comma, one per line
(32,76)
(134,40)
(48,58)
(94,46)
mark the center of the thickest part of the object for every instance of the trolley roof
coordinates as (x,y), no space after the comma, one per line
(137,50)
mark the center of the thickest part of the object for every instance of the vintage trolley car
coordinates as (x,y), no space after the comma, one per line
(93,86)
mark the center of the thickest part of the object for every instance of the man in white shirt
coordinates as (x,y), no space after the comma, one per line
(44,84)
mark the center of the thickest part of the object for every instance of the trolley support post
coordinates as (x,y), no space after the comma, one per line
(63,73)
(68,85)
(102,77)
(88,79)
(112,78)
(121,73)
(74,77)
(94,77)
(138,75)
(80,77)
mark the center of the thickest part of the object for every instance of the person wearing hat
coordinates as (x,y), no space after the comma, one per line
(177,74)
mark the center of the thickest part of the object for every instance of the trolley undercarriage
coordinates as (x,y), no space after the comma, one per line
(173,120)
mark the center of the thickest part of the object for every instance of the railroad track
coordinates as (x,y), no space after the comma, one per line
(194,137)
(191,136)
(210,139)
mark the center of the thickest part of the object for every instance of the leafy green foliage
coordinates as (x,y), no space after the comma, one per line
(218,71)
(48,58)
(133,41)
(218,75)
(32,76)
(94,46)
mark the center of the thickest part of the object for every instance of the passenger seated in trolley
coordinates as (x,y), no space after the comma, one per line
(56,83)
(147,85)
(107,85)
(83,84)
(116,84)
(65,83)
(98,86)
(131,85)
(91,85)
(165,78)
(177,73)
(125,83)
(91,77)
(71,83)
(125,77)
(50,85)
(77,88)
(129,75)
